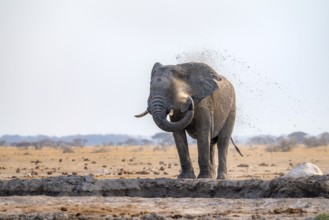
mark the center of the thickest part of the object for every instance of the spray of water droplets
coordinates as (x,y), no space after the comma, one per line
(256,92)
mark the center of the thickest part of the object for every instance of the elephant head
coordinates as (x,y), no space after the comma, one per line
(175,90)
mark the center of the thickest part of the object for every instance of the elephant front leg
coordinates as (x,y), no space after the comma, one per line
(187,171)
(206,153)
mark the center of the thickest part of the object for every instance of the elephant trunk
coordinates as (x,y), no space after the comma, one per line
(159,113)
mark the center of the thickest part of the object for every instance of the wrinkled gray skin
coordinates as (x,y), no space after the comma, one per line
(199,102)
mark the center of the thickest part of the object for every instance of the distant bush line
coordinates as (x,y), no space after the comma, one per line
(162,140)
(287,143)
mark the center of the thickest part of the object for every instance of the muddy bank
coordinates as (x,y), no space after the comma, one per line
(315,186)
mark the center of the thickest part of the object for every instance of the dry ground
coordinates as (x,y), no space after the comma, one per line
(43,207)
(148,162)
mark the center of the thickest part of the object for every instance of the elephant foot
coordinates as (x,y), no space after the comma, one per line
(205,175)
(221,176)
(187,175)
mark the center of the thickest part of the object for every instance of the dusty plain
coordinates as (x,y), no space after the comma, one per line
(153,162)
(148,162)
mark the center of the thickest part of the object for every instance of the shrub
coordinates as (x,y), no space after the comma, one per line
(322,216)
(100,150)
(161,148)
(314,142)
(67,150)
(262,139)
(283,145)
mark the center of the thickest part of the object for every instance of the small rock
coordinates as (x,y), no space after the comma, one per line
(18,170)
(243,165)
(256,216)
(64,209)
(304,170)
(143,172)
(263,165)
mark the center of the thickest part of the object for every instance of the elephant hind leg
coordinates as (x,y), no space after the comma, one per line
(212,160)
(223,143)
(212,153)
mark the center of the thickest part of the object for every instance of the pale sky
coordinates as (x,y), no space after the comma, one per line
(83,67)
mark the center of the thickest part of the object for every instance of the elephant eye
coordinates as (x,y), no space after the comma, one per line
(178,75)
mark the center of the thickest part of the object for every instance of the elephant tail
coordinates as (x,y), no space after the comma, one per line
(236,147)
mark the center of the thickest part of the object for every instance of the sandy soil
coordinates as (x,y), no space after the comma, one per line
(41,207)
(150,162)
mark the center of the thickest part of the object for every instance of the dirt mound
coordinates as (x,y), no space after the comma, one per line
(315,186)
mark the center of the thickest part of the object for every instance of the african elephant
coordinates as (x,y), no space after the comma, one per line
(200,102)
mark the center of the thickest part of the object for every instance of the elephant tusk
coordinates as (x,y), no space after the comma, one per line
(142,114)
(188,105)
(171,113)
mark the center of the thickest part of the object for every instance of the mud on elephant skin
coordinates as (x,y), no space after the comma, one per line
(199,102)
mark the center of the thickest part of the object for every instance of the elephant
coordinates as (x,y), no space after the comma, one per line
(199,102)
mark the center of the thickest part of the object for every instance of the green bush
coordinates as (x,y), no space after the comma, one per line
(322,216)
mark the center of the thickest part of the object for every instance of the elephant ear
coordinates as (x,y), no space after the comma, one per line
(200,78)
(154,69)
